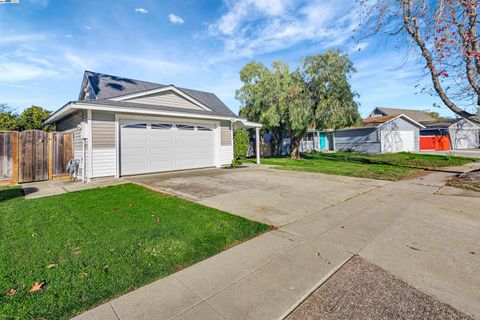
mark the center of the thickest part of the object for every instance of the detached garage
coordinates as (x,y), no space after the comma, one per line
(380,134)
(125,127)
(449,134)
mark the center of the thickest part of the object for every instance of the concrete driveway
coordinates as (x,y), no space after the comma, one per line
(276,197)
(412,229)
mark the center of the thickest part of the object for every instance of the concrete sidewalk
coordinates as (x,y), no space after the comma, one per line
(259,279)
(50,188)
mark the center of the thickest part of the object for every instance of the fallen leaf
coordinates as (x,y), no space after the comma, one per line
(105,268)
(157,219)
(130,205)
(85,274)
(11,292)
(37,286)
(114,209)
(51,266)
(34,234)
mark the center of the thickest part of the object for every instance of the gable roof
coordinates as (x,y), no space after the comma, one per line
(107,87)
(378,121)
(416,115)
(447,123)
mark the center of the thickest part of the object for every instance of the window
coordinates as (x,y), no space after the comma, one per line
(161,126)
(185,127)
(136,126)
(200,128)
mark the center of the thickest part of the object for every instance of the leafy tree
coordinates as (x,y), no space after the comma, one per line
(443,35)
(9,120)
(240,146)
(30,118)
(435,115)
(290,102)
(278,99)
(327,77)
(33,117)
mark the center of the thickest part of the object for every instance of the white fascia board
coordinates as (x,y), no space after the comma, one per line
(153,91)
(475,126)
(97,107)
(405,117)
(59,113)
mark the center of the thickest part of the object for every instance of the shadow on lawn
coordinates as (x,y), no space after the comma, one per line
(10,193)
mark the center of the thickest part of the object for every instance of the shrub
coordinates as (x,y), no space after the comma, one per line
(240,146)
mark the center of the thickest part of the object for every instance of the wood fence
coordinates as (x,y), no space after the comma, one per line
(34,155)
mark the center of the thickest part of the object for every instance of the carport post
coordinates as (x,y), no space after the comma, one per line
(257,141)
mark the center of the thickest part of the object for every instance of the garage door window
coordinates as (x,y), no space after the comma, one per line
(161,126)
(185,127)
(136,126)
(200,128)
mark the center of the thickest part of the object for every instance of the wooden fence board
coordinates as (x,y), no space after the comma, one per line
(34,155)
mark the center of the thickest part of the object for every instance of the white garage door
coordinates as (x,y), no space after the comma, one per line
(464,139)
(161,146)
(397,141)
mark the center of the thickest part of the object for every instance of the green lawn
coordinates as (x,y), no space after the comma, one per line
(93,245)
(376,166)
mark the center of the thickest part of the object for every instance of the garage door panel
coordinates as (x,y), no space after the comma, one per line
(165,147)
(397,141)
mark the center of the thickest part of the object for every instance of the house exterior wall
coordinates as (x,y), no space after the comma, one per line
(361,140)
(401,124)
(167,98)
(226,143)
(71,121)
(103,144)
(464,135)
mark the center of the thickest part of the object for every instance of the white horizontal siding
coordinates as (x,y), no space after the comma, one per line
(103,144)
(226,155)
(167,98)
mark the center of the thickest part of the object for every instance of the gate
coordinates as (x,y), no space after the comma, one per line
(33,149)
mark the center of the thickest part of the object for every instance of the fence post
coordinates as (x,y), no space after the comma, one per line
(15,159)
(50,156)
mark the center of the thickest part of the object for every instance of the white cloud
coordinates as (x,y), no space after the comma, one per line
(359,46)
(175,19)
(254,27)
(141,10)
(77,62)
(88,27)
(13,71)
(21,38)
(69,36)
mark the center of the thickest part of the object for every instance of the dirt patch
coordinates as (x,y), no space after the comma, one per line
(361,290)
(468,181)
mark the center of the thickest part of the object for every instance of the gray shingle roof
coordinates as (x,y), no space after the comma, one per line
(416,115)
(108,86)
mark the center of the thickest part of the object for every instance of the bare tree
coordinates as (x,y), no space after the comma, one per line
(444,34)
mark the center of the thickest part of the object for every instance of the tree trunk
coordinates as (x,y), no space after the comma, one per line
(294,147)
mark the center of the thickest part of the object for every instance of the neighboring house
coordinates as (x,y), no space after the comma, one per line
(449,134)
(416,115)
(439,134)
(380,134)
(316,140)
(123,127)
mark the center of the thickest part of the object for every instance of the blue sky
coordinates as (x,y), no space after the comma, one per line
(47,44)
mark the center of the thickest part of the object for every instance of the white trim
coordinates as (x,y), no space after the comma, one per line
(158,90)
(475,126)
(403,116)
(90,146)
(117,146)
(85,106)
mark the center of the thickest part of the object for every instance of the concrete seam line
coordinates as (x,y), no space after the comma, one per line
(317,285)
